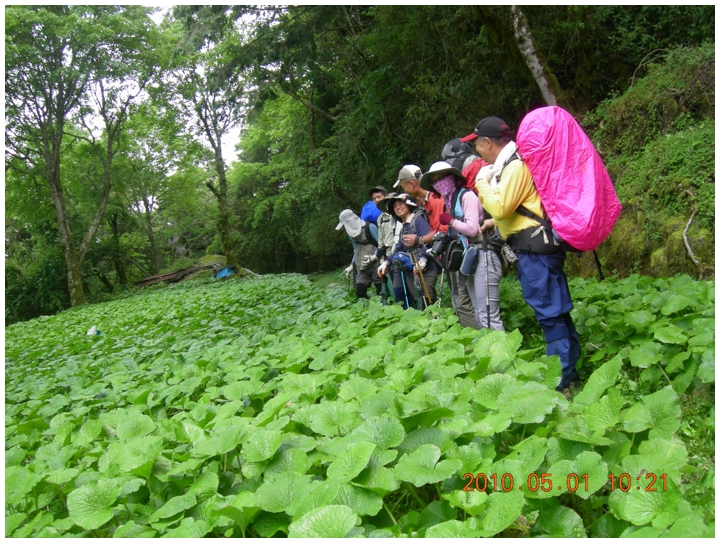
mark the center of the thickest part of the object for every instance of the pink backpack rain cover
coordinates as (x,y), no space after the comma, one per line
(573,184)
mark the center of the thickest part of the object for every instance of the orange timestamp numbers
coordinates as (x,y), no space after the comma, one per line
(543,482)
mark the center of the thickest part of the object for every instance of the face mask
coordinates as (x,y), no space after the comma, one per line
(445,186)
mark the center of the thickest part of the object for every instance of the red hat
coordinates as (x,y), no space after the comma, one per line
(490,127)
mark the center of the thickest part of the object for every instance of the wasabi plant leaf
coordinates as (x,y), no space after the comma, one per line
(174,506)
(600,380)
(361,501)
(328,521)
(422,467)
(671,334)
(90,506)
(136,425)
(350,463)
(560,522)
(503,508)
(452,529)
(261,445)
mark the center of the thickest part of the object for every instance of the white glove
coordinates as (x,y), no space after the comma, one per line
(368,261)
(382,270)
(422,263)
(485,174)
(348,271)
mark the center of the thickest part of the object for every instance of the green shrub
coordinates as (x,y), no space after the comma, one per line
(40,289)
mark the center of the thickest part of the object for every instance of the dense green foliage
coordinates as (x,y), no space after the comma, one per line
(331,101)
(267,407)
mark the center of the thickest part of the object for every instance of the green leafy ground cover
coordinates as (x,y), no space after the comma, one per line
(268,407)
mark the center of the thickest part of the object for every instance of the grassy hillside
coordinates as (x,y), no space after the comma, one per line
(269,407)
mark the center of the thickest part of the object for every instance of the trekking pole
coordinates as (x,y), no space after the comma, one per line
(442,279)
(597,263)
(487,279)
(422,279)
(407,302)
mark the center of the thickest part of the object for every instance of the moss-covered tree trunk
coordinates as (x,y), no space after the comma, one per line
(223,222)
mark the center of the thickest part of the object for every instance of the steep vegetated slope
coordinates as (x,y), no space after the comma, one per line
(266,407)
(658,141)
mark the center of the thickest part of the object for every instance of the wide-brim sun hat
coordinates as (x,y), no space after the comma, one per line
(438,171)
(390,203)
(352,223)
(382,205)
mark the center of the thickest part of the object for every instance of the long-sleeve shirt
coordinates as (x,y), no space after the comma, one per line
(469,224)
(516,187)
(421,228)
(434,206)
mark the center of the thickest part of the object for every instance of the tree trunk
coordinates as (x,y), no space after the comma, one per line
(546,81)
(155,264)
(118,262)
(73,259)
(223,224)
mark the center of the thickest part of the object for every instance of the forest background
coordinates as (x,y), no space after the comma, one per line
(116,129)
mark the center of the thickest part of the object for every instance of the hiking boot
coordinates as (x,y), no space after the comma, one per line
(566,392)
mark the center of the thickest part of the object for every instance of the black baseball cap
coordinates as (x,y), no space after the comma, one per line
(489,127)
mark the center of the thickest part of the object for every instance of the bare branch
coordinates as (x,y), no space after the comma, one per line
(687,243)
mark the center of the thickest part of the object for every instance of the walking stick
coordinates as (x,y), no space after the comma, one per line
(487,279)
(422,279)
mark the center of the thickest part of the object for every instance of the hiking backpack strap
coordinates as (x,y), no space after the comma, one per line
(456,211)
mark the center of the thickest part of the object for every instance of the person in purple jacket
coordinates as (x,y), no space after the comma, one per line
(464,219)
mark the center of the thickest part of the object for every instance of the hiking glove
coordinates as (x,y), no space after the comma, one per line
(445,219)
(348,271)
(382,270)
(422,263)
(368,261)
(485,174)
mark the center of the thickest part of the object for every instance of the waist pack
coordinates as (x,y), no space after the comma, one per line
(452,256)
(534,240)
(470,260)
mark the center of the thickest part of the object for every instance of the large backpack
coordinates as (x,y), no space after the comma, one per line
(574,186)
(456,153)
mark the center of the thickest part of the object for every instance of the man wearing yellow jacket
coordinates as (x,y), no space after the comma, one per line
(507,191)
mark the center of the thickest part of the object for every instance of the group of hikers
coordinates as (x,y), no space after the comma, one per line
(461,218)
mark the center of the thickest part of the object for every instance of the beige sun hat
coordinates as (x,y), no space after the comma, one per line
(438,171)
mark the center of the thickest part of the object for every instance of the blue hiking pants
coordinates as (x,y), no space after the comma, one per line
(545,289)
